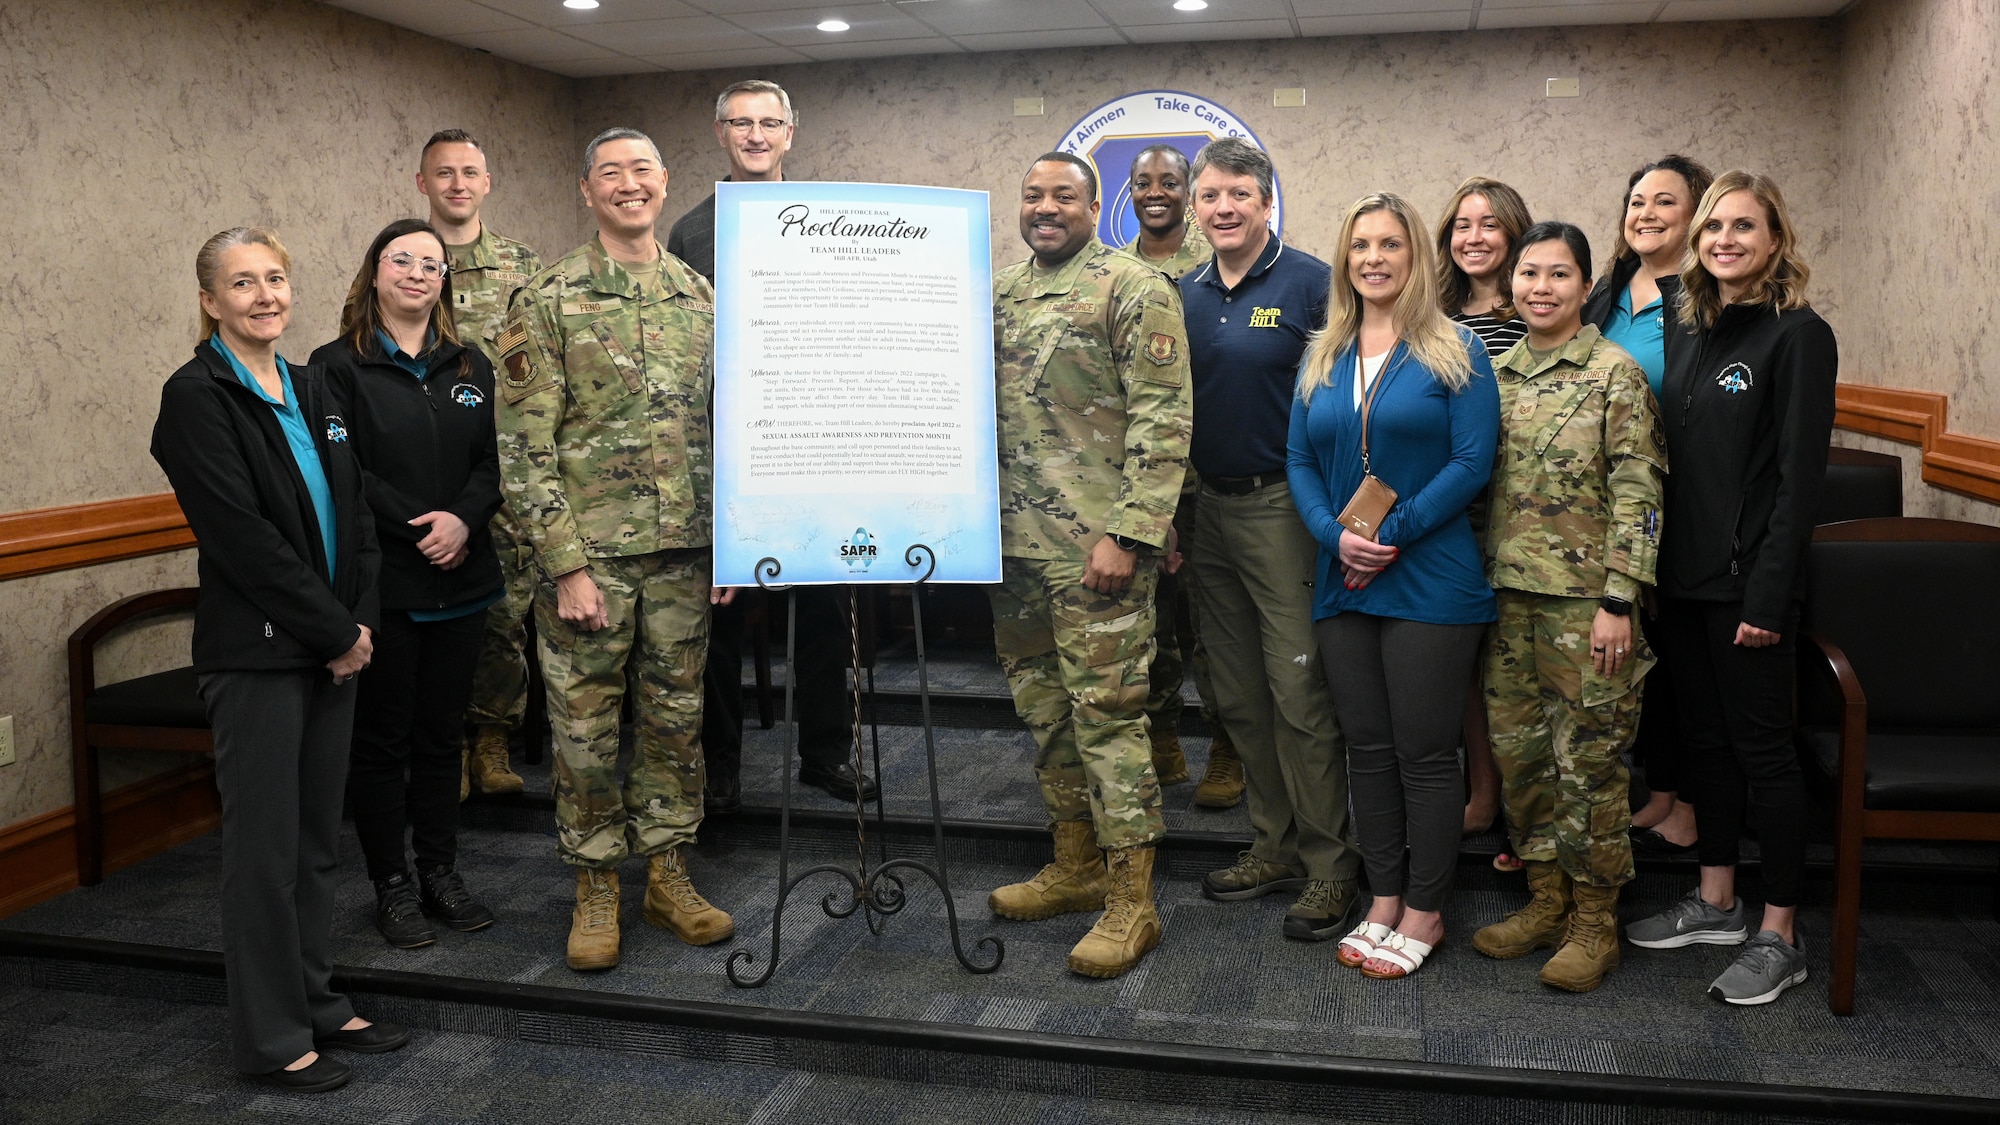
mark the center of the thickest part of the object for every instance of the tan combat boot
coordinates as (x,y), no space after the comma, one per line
(1222,786)
(490,770)
(1538,925)
(1169,762)
(593,926)
(673,904)
(1590,949)
(1130,927)
(1075,881)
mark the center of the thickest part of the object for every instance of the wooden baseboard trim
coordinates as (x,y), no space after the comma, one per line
(50,539)
(145,818)
(1960,463)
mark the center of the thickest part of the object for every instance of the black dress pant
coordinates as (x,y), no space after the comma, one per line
(822,704)
(1736,730)
(408,728)
(281,743)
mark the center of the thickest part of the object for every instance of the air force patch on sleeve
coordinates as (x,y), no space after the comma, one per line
(1160,348)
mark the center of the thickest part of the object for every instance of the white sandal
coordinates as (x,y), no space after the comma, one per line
(1360,942)
(1404,952)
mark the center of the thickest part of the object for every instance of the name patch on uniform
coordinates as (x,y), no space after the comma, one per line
(1265,318)
(696,306)
(511,277)
(587,308)
(1078,308)
(1160,348)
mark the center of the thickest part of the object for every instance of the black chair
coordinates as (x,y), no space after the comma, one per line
(162,712)
(1900,694)
(1860,485)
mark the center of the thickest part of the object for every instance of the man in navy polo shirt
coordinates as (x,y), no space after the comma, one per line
(1249,312)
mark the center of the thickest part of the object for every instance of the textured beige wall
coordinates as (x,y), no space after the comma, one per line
(1410,113)
(1919,158)
(133,130)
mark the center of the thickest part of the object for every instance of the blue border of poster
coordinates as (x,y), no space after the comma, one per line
(822,536)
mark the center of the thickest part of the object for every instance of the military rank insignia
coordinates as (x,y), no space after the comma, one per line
(1160,348)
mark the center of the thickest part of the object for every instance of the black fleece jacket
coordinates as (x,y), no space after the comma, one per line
(1749,415)
(266,603)
(425,445)
(1610,292)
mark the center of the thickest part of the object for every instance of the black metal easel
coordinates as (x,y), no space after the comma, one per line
(878,889)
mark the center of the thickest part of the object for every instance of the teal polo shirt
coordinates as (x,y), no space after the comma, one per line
(298,435)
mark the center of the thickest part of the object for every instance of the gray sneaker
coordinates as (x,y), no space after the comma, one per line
(1250,877)
(1690,921)
(1763,971)
(1321,911)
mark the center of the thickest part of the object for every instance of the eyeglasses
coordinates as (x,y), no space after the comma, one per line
(406,263)
(745,124)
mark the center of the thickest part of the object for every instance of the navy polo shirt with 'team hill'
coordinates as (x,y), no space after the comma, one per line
(1244,346)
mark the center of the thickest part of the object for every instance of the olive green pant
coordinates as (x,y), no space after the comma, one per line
(1076,661)
(500,678)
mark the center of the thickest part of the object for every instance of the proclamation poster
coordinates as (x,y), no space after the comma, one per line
(854,383)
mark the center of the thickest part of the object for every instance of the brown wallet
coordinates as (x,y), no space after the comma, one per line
(1368,508)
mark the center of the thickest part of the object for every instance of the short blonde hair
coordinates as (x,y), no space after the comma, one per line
(208,262)
(1420,321)
(1782,284)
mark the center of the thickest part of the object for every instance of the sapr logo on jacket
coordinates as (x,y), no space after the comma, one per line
(336,428)
(1735,378)
(859,550)
(465,394)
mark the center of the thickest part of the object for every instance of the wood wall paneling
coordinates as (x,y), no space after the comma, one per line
(50,539)
(145,818)
(1958,462)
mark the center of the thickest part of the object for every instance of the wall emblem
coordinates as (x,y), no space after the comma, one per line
(1113,133)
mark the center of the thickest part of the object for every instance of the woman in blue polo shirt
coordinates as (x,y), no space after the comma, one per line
(287,559)
(418,410)
(1392,393)
(1634,306)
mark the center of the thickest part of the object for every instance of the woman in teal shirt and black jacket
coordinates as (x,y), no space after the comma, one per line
(1399,614)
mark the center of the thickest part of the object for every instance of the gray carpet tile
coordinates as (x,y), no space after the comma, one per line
(1222,976)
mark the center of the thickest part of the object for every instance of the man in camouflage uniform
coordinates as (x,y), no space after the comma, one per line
(1572,537)
(1090,359)
(1170,242)
(605,377)
(485,271)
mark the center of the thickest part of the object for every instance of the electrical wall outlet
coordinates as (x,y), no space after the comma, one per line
(1028,107)
(1288,97)
(6,740)
(1563,88)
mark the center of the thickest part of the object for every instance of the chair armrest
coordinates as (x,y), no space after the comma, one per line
(1853,770)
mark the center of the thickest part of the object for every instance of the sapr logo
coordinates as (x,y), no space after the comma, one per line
(465,394)
(336,428)
(859,550)
(1735,378)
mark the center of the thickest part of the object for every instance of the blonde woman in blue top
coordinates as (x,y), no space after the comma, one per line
(1399,617)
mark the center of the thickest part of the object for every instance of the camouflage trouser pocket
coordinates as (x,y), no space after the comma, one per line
(1118,640)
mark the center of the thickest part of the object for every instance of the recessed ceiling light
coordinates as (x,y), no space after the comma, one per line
(1190,5)
(580,5)
(833,25)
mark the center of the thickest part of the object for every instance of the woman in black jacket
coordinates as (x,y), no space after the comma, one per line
(264,472)
(1749,414)
(419,413)
(1634,307)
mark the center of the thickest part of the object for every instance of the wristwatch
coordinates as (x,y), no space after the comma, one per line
(1125,543)
(1616,607)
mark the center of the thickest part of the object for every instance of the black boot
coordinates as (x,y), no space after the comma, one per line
(397,914)
(446,899)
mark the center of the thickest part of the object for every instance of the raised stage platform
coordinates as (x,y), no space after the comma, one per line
(109,996)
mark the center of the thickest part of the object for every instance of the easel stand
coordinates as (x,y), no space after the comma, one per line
(877,889)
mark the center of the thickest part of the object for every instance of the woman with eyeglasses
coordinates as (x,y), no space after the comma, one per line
(287,557)
(417,409)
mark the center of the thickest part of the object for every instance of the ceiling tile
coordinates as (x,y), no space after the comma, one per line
(440,18)
(1311,9)
(1385,24)
(800,26)
(535,45)
(729,9)
(551,13)
(669,36)
(1569,15)
(881,48)
(1201,33)
(1124,12)
(717,60)
(1043,40)
(1682,10)
(983,17)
